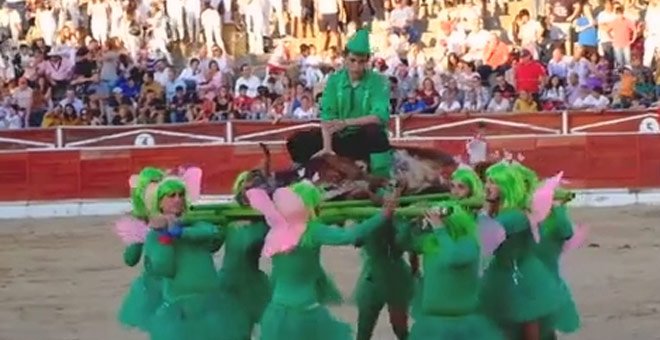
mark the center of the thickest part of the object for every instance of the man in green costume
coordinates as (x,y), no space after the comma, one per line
(354,114)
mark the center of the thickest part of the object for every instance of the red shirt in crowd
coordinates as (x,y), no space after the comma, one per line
(528,74)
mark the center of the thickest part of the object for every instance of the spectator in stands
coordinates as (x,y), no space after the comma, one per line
(623,32)
(498,103)
(429,95)
(247,79)
(525,103)
(585,26)
(528,73)
(553,96)
(413,104)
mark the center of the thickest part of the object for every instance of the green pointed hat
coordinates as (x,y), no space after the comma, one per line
(359,43)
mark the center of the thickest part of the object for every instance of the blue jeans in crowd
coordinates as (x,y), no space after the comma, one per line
(622,56)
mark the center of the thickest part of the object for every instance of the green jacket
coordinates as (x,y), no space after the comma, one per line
(342,100)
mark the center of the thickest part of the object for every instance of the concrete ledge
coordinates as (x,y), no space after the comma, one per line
(74,208)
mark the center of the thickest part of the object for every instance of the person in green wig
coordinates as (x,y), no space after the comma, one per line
(518,289)
(448,296)
(385,279)
(239,274)
(296,310)
(145,293)
(355,114)
(555,230)
(194,305)
(468,189)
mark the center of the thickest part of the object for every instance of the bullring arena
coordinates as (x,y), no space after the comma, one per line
(63,277)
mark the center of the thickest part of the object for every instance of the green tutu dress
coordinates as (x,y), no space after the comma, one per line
(386,278)
(555,230)
(295,311)
(517,286)
(240,276)
(448,302)
(194,307)
(144,296)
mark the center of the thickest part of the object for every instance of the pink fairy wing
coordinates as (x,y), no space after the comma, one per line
(491,235)
(192,177)
(133,181)
(285,237)
(580,233)
(542,203)
(131,230)
(260,201)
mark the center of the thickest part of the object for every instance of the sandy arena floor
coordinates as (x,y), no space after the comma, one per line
(62,279)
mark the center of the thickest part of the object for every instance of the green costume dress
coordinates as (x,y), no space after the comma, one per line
(295,311)
(240,276)
(194,306)
(517,286)
(386,279)
(555,230)
(449,296)
(144,296)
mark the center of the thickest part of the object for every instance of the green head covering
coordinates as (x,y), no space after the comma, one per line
(530,180)
(511,185)
(359,43)
(145,177)
(169,186)
(310,195)
(470,178)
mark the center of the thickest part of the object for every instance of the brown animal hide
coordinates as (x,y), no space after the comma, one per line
(422,171)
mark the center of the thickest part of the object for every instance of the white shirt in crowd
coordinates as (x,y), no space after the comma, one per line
(252,84)
(591,102)
(502,106)
(210,18)
(447,107)
(300,113)
(603,19)
(327,7)
(401,16)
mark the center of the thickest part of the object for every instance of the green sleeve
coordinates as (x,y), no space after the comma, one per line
(458,252)
(132,254)
(205,232)
(380,99)
(563,223)
(322,234)
(329,99)
(159,258)
(513,220)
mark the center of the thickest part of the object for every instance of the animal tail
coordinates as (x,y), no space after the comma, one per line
(266,165)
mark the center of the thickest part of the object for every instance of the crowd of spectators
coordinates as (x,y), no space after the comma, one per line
(108,62)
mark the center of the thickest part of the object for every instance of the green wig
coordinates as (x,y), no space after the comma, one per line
(311,195)
(470,178)
(530,180)
(145,177)
(512,187)
(169,185)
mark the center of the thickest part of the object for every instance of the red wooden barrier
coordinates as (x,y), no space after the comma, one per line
(601,161)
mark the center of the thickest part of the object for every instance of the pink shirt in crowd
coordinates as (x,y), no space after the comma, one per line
(622,31)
